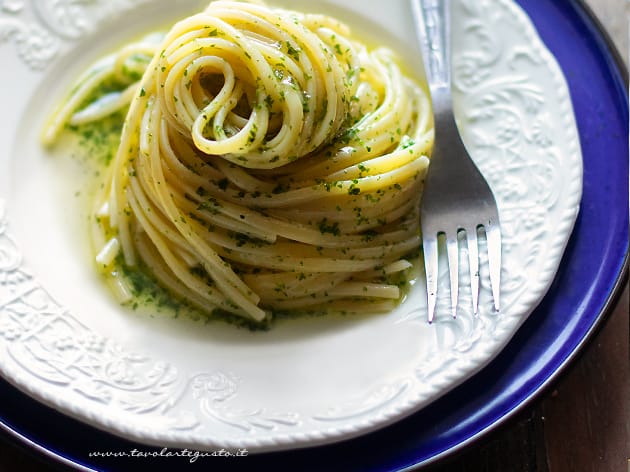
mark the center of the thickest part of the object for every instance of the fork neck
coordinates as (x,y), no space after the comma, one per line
(441,101)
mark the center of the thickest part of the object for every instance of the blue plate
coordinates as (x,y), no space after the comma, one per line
(589,280)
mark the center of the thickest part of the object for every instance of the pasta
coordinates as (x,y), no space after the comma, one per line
(268,162)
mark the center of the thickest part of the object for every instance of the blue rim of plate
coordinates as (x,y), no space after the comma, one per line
(591,277)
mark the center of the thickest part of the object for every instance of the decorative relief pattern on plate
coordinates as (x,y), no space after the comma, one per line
(509,120)
(213,391)
(34,46)
(45,342)
(375,399)
(39,28)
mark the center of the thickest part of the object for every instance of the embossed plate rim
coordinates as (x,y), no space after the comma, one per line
(221,386)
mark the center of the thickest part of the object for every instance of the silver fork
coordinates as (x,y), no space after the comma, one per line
(456,196)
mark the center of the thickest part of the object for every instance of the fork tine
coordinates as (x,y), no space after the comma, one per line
(452,252)
(493,236)
(430,249)
(473,261)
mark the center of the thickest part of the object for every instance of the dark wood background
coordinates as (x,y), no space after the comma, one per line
(582,424)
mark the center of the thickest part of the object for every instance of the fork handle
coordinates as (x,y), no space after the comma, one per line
(433,27)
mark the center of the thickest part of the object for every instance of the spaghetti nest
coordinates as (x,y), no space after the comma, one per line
(268,161)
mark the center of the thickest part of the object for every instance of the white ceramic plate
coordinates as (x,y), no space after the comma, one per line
(179,383)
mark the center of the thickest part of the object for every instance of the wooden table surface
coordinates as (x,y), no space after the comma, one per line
(582,424)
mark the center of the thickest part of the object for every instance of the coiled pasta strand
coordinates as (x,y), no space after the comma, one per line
(268,161)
